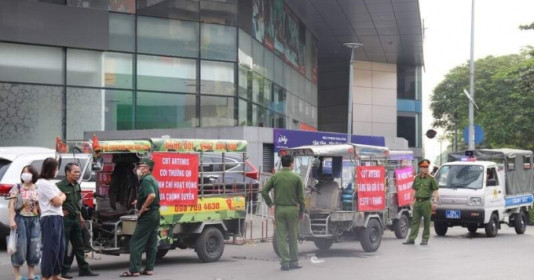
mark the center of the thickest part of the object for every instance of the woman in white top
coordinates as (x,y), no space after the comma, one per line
(50,201)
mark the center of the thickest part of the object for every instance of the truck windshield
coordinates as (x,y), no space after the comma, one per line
(460,176)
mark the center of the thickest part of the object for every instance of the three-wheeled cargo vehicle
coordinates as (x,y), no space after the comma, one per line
(400,176)
(341,204)
(202,203)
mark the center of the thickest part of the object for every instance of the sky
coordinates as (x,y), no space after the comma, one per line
(447,39)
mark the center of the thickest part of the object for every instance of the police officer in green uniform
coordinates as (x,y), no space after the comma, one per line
(145,236)
(73,222)
(289,207)
(425,190)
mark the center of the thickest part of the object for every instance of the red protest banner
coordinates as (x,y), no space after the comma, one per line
(371,188)
(404,181)
(177,175)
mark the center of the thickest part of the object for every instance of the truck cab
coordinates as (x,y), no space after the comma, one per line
(490,188)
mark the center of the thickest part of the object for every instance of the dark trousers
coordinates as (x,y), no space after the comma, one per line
(73,233)
(145,239)
(53,245)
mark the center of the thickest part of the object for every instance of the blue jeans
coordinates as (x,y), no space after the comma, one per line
(28,241)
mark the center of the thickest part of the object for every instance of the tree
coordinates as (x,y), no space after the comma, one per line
(503,93)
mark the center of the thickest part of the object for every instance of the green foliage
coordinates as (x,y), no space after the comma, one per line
(504,93)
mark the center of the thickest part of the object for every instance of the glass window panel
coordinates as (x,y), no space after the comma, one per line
(218,42)
(279,121)
(217,111)
(166,110)
(121,32)
(245,79)
(99,69)
(264,117)
(166,73)
(243,113)
(219,11)
(31,64)
(269,65)
(245,49)
(279,104)
(167,36)
(279,71)
(257,56)
(124,6)
(177,9)
(93,4)
(257,87)
(102,109)
(217,78)
(267,93)
(29,115)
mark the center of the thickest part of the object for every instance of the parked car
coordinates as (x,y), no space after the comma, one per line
(13,159)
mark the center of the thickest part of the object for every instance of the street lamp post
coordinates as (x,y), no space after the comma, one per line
(353,47)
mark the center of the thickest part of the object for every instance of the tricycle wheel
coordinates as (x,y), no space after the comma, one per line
(210,244)
(323,244)
(402,226)
(371,236)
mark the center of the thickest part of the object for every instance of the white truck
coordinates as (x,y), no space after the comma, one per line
(484,189)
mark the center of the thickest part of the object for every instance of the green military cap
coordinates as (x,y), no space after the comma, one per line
(147,161)
(424,163)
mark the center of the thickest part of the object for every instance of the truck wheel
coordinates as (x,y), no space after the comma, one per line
(492,227)
(472,228)
(210,244)
(323,244)
(401,226)
(161,253)
(520,223)
(440,228)
(371,236)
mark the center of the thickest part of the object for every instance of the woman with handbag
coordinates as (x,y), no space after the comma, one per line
(24,218)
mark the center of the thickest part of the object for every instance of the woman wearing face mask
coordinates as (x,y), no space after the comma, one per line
(50,201)
(26,221)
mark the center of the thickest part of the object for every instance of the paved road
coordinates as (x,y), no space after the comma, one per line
(456,256)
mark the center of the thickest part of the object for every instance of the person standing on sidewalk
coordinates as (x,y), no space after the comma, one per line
(289,208)
(145,236)
(73,222)
(52,239)
(425,190)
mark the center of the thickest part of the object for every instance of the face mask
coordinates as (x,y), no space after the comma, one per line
(139,172)
(55,175)
(26,177)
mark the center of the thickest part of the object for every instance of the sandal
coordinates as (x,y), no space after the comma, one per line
(128,274)
(147,272)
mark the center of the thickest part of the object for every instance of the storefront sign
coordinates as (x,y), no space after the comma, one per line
(285,138)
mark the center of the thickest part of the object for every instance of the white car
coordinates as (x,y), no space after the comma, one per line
(13,159)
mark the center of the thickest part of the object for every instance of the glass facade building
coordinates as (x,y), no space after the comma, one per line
(165,64)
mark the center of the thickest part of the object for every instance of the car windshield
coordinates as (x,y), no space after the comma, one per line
(4,165)
(460,176)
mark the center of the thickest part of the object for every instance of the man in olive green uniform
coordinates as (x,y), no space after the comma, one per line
(73,222)
(145,236)
(425,190)
(289,203)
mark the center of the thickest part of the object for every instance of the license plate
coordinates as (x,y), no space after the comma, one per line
(452,214)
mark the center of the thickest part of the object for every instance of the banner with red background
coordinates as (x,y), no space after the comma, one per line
(371,188)
(177,175)
(404,180)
